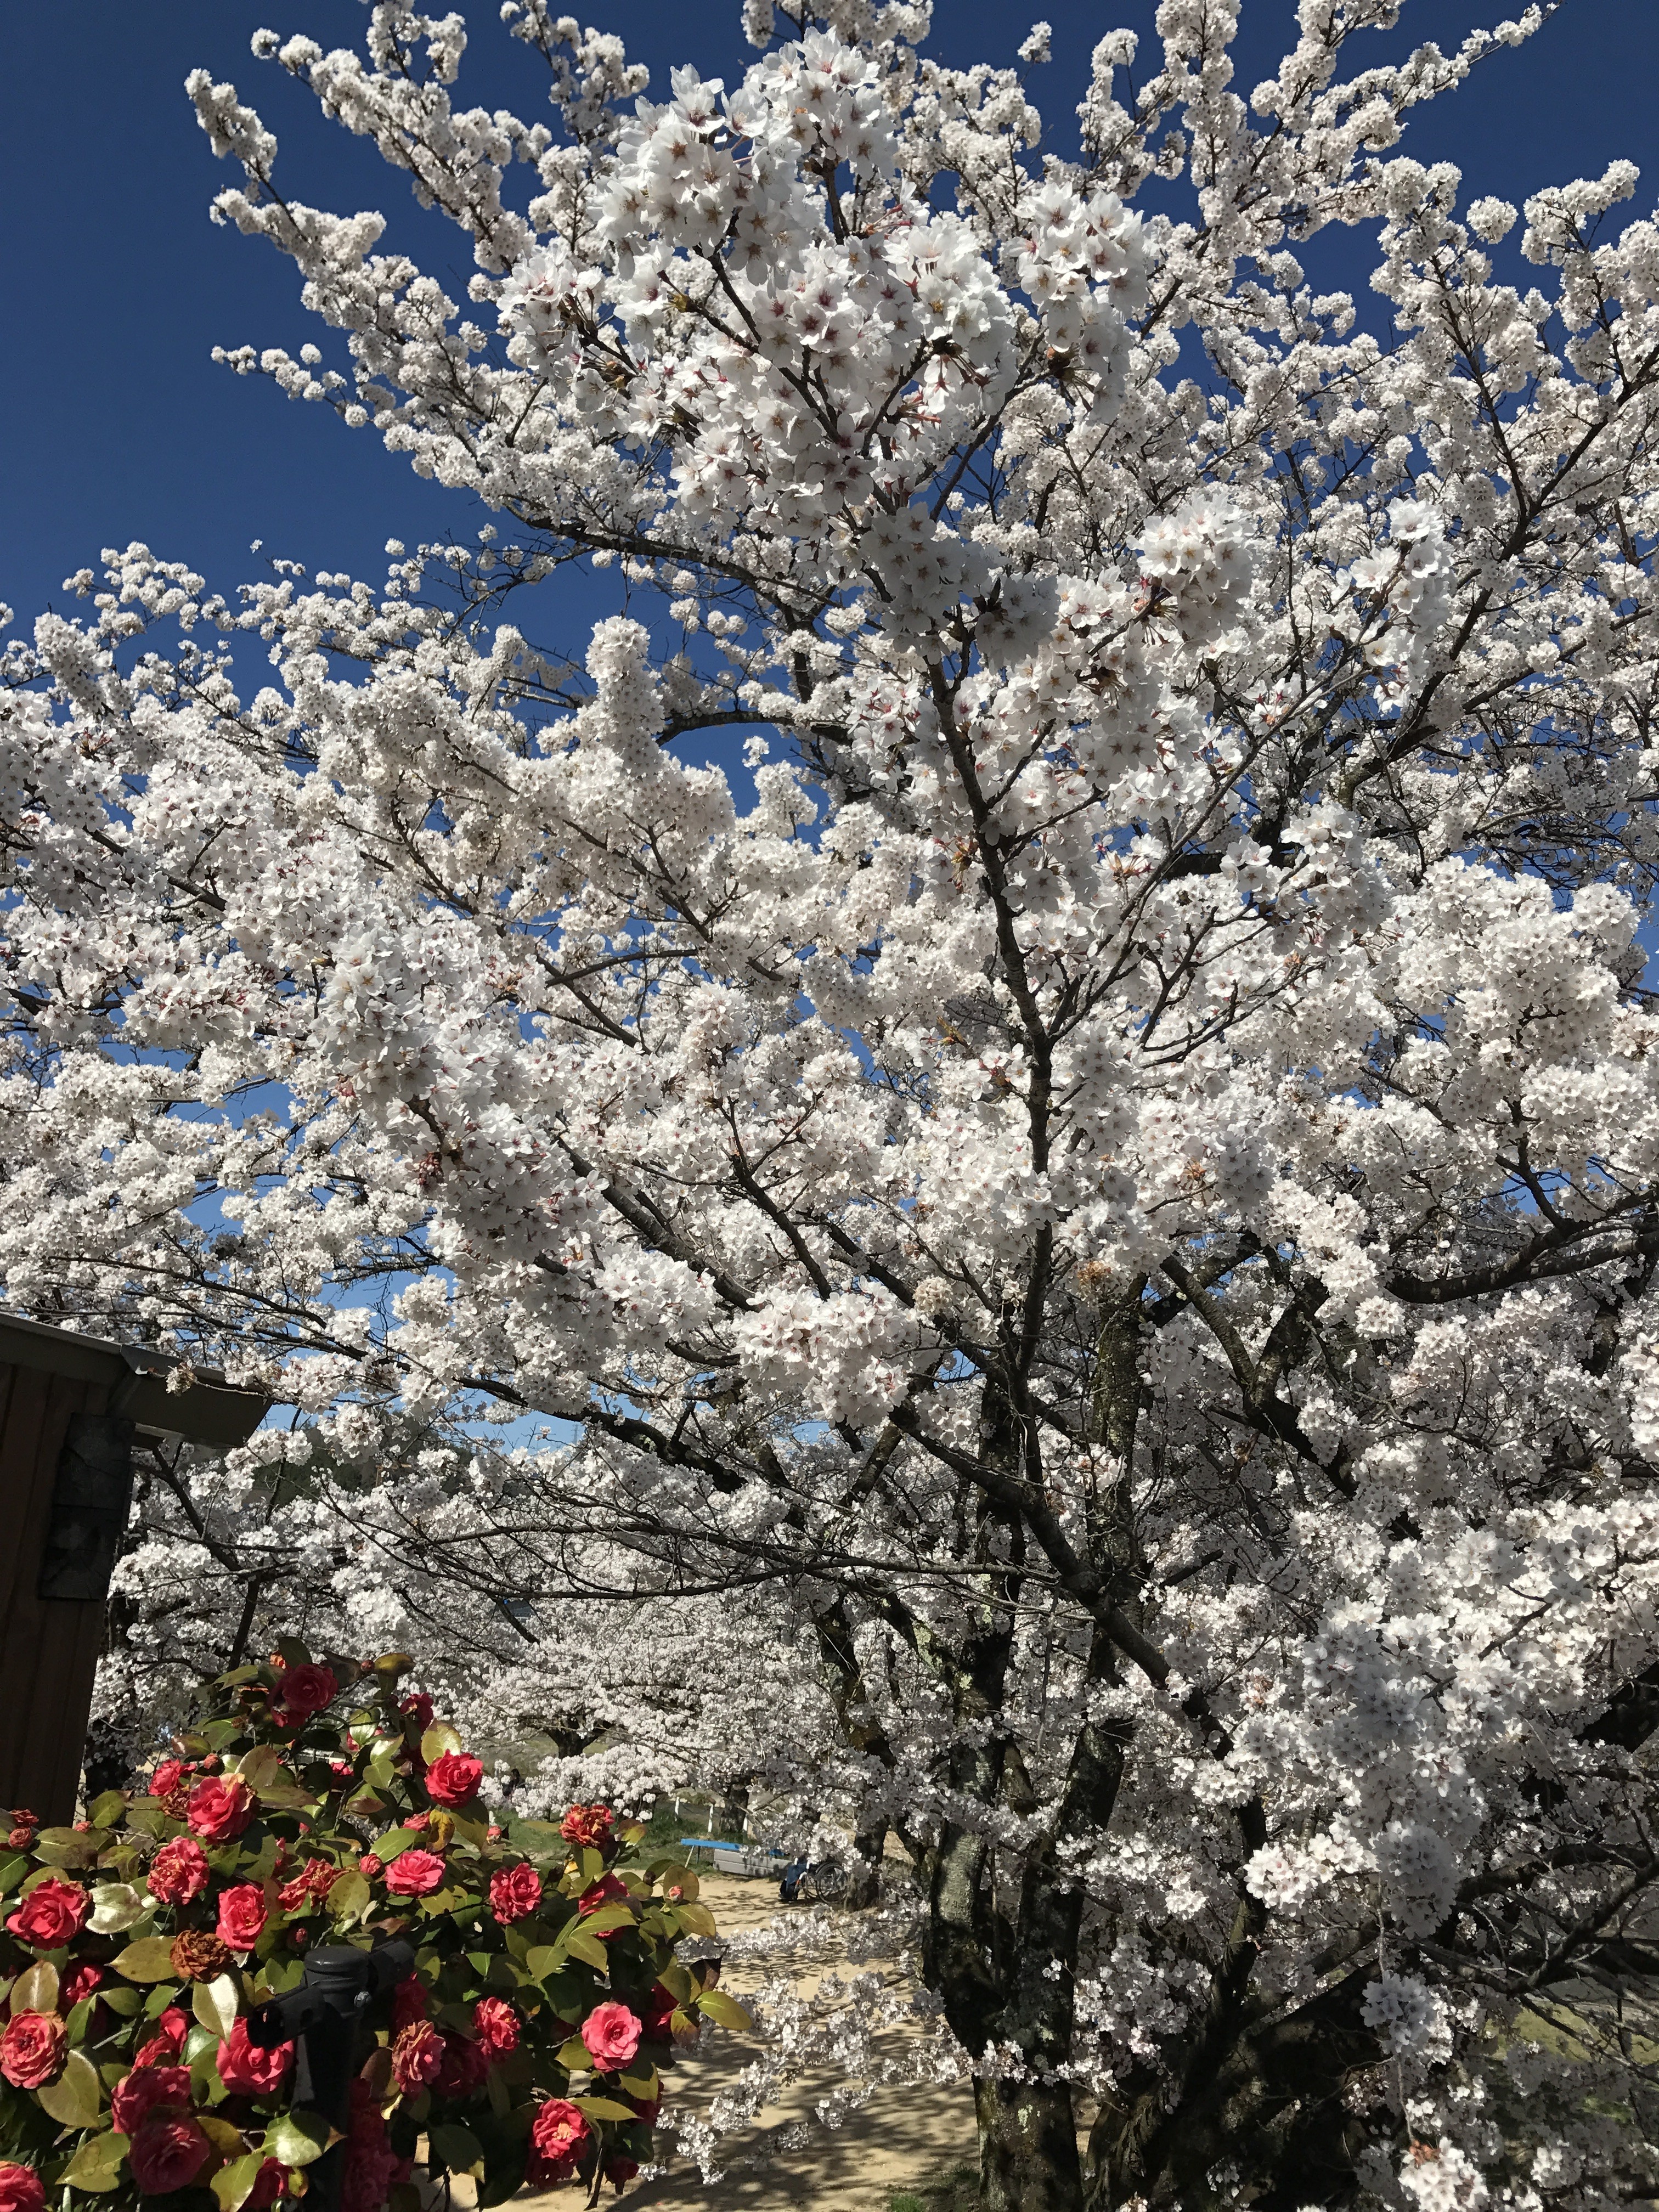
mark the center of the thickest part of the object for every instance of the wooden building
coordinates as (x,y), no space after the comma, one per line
(71,1409)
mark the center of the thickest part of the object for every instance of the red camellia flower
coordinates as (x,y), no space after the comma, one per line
(418,1706)
(515,1893)
(587,1824)
(496,2025)
(166,1777)
(168,2042)
(310,1885)
(32,2048)
(417,2055)
(79,1982)
(147,2090)
(268,2184)
(408,2003)
(220,1807)
(612,2033)
(464,2068)
(414,1874)
(21,2189)
(621,2170)
(369,1864)
(307,1690)
(556,2142)
(241,1915)
(246,2070)
(660,2006)
(454,1778)
(168,2155)
(51,1915)
(179,1872)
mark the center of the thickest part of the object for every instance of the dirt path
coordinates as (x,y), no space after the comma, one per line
(906,2139)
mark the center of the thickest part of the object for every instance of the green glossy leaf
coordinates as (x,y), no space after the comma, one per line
(387,1847)
(438,1738)
(457,2146)
(36,1988)
(546,1958)
(159,1999)
(74,2098)
(589,1948)
(589,1865)
(115,1906)
(124,2001)
(645,2087)
(97,2165)
(349,1897)
(12,1871)
(575,2057)
(261,1767)
(604,1918)
(65,1847)
(215,2004)
(149,1959)
(105,1811)
(602,2108)
(296,2137)
(725,2010)
(233,2183)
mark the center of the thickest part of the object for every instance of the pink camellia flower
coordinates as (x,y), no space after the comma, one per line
(32,2048)
(612,2033)
(414,1874)
(417,2056)
(454,1778)
(22,2189)
(138,2096)
(241,1915)
(246,2070)
(496,2026)
(557,2141)
(168,2040)
(179,1872)
(587,1825)
(515,1893)
(52,1914)
(369,1864)
(220,1808)
(166,1777)
(168,2155)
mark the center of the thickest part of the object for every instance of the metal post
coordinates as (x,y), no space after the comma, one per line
(325,2014)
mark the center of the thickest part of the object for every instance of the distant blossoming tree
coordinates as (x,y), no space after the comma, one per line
(1100,1226)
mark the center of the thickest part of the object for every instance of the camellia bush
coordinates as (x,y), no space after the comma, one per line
(315,1804)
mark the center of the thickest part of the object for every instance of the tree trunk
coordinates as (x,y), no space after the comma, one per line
(1028,2159)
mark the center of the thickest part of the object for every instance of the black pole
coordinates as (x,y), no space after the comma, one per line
(324,2016)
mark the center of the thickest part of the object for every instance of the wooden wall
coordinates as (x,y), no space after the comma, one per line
(49,1647)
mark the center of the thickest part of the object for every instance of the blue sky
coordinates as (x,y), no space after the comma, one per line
(119,426)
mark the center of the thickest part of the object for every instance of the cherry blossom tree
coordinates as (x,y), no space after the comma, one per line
(1096,1214)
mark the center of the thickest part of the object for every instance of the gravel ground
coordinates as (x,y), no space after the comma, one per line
(904,2139)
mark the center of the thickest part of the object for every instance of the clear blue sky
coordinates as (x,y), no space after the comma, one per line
(116,285)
